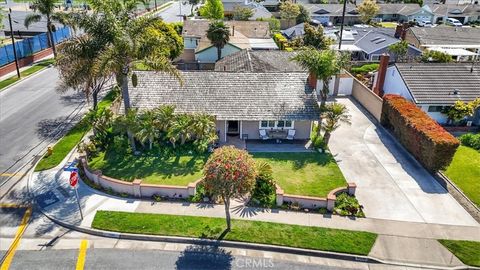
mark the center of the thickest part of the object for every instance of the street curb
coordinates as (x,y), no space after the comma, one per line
(25,78)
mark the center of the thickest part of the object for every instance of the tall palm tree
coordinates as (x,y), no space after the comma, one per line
(333,115)
(46,8)
(219,35)
(203,127)
(323,64)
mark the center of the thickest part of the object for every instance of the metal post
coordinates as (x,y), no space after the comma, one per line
(341,26)
(78,201)
(155,4)
(13,42)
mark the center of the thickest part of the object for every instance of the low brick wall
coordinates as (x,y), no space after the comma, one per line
(25,61)
(137,188)
(314,202)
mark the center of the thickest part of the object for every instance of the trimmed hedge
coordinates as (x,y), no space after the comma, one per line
(281,42)
(422,136)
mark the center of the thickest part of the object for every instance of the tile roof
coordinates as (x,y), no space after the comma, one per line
(445,35)
(436,83)
(229,96)
(259,61)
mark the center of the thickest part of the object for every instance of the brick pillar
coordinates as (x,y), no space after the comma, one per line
(279,192)
(137,192)
(312,81)
(331,202)
(382,72)
(352,187)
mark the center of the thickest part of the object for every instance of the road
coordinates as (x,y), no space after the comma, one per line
(32,116)
(172,13)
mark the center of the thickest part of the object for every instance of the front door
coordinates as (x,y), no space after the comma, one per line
(233,127)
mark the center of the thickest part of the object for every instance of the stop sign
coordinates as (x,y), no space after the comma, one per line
(73,178)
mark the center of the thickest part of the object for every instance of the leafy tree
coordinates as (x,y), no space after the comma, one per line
(436,57)
(289,11)
(229,173)
(241,13)
(460,110)
(193,4)
(2,16)
(46,8)
(101,122)
(213,9)
(315,37)
(367,10)
(304,15)
(204,130)
(219,35)
(333,115)
(273,23)
(323,64)
(264,189)
(128,123)
(180,130)
(400,49)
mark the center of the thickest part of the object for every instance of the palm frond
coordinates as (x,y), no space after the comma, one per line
(31,19)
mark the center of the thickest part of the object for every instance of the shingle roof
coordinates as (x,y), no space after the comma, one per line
(250,29)
(435,83)
(444,35)
(259,61)
(229,96)
(455,10)
(374,41)
(337,9)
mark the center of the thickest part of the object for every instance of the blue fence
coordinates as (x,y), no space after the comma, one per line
(31,45)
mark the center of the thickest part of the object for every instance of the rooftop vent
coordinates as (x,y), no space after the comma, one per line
(380,41)
(456,92)
(375,39)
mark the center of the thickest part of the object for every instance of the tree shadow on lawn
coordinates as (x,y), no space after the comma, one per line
(204,257)
(129,167)
(299,160)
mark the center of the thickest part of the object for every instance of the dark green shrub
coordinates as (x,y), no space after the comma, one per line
(422,136)
(364,69)
(471,140)
(200,193)
(263,193)
(347,205)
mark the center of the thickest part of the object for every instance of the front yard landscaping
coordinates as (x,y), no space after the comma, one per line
(466,251)
(309,174)
(465,172)
(355,242)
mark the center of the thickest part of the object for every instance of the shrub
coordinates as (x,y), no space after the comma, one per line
(263,193)
(347,205)
(422,136)
(471,140)
(364,69)
(317,140)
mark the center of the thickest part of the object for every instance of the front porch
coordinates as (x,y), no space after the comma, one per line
(284,146)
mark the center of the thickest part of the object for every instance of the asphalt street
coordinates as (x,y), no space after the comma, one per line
(173,12)
(32,116)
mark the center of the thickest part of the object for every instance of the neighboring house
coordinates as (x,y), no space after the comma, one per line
(297,31)
(461,42)
(244,35)
(259,61)
(432,86)
(461,12)
(404,12)
(259,11)
(242,103)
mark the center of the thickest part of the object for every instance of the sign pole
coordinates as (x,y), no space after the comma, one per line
(78,201)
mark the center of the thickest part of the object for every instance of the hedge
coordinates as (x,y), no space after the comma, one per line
(422,136)
(281,42)
(364,69)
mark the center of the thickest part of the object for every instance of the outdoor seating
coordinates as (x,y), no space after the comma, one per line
(263,134)
(291,134)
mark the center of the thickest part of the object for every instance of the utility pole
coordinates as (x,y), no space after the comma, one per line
(341,26)
(155,4)
(13,41)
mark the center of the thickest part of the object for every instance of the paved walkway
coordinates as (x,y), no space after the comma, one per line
(391,184)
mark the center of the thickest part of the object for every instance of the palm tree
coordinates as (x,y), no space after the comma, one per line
(204,128)
(323,64)
(128,123)
(147,130)
(164,116)
(333,114)
(46,8)
(180,129)
(219,35)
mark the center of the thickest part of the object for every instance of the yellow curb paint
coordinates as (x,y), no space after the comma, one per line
(82,254)
(13,247)
(12,205)
(12,174)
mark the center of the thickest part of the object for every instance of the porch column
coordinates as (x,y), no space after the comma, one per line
(225,133)
(241,129)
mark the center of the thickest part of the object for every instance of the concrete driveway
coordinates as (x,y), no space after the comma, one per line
(391,184)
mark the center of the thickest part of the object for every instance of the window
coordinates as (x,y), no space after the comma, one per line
(435,108)
(281,124)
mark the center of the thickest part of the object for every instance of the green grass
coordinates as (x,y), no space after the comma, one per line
(36,67)
(71,139)
(467,251)
(310,174)
(336,240)
(179,170)
(465,172)
(388,24)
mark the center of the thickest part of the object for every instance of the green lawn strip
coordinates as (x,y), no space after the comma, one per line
(466,251)
(464,171)
(36,67)
(355,242)
(179,170)
(309,174)
(72,138)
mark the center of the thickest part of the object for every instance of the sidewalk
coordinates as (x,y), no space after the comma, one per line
(57,199)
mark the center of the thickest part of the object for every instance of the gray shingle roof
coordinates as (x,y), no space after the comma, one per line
(229,96)
(444,35)
(374,41)
(259,61)
(435,83)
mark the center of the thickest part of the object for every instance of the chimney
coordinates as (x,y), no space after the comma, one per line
(382,71)
(398,30)
(312,81)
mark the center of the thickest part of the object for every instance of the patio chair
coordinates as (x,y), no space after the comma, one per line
(291,134)
(263,134)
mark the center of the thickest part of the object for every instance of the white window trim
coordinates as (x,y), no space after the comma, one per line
(276,125)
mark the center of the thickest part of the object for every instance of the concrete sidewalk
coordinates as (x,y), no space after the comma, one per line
(57,199)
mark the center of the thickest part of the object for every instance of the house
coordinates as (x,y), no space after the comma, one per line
(242,103)
(259,11)
(259,61)
(432,86)
(404,13)
(244,35)
(463,13)
(460,42)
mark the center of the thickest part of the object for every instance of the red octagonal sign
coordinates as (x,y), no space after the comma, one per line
(73,178)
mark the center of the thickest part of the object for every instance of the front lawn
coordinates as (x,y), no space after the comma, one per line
(309,174)
(27,72)
(466,251)
(465,172)
(335,240)
(179,170)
